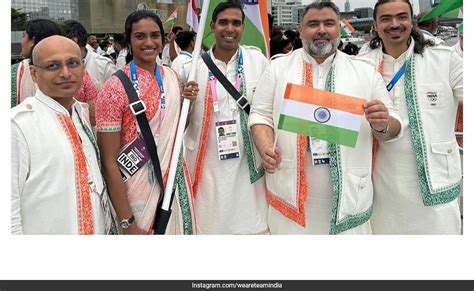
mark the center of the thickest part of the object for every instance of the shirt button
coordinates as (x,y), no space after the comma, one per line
(450,151)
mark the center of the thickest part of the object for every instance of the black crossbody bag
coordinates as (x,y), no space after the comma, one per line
(242,102)
(138,109)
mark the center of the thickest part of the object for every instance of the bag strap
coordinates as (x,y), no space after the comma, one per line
(138,109)
(242,102)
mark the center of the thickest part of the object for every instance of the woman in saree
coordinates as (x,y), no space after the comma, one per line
(135,196)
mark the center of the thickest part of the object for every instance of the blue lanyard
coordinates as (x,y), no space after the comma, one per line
(133,72)
(397,77)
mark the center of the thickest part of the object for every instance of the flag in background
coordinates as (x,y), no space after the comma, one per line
(328,116)
(346,28)
(171,20)
(443,8)
(191,15)
(256,32)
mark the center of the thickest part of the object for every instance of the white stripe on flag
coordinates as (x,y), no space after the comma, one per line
(341,119)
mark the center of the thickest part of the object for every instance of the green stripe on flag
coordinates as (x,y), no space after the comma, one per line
(325,132)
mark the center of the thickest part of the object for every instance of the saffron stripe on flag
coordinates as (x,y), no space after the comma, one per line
(348,25)
(321,131)
(324,98)
(337,118)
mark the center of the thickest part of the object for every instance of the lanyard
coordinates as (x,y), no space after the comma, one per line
(238,81)
(133,72)
(397,77)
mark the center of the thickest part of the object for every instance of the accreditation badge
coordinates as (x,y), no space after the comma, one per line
(319,151)
(227,140)
(132,158)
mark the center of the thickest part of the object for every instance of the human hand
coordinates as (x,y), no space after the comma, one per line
(191,90)
(377,115)
(271,159)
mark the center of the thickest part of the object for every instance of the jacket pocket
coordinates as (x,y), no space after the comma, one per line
(432,96)
(357,192)
(283,182)
(445,166)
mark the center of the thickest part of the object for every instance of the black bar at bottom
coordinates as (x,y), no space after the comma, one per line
(325,285)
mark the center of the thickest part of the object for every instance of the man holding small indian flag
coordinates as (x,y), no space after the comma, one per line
(307,121)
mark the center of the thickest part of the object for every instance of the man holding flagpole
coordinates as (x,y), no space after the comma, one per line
(318,177)
(227,178)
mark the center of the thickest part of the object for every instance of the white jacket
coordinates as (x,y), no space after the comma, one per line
(350,167)
(47,179)
(99,68)
(439,87)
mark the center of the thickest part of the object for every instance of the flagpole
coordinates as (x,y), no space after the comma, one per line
(182,123)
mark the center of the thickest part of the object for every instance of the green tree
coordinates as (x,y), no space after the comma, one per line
(18,20)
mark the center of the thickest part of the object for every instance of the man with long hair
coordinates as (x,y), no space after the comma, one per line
(417,178)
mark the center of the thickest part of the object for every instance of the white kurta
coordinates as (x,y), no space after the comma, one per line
(178,65)
(121,59)
(398,205)
(226,201)
(99,68)
(319,200)
(44,198)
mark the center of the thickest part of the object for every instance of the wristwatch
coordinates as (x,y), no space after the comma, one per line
(125,223)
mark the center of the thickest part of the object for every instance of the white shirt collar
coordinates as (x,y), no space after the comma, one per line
(403,56)
(54,105)
(232,60)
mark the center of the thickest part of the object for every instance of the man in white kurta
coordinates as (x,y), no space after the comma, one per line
(57,187)
(229,193)
(417,178)
(185,40)
(334,194)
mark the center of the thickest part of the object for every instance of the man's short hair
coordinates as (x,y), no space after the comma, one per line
(176,29)
(74,28)
(322,5)
(120,39)
(226,5)
(185,38)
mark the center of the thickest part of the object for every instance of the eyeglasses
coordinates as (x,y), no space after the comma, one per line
(56,66)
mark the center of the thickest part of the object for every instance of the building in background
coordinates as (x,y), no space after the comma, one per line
(99,16)
(57,10)
(365,12)
(286,13)
(347,6)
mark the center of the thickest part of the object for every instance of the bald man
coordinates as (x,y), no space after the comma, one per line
(57,187)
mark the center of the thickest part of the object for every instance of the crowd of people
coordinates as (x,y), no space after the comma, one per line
(94,125)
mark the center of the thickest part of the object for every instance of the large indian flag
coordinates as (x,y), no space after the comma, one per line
(324,115)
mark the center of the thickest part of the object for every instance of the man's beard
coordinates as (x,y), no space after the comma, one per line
(323,51)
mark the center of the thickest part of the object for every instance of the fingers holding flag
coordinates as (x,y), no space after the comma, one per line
(377,115)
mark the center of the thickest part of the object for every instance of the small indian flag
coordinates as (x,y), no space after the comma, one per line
(324,115)
(346,28)
(171,20)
